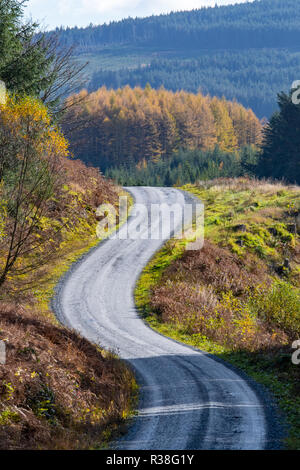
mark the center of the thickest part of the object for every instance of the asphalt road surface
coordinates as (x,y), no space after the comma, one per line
(188,399)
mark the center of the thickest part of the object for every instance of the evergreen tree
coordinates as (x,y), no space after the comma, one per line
(32,63)
(24,57)
(281,146)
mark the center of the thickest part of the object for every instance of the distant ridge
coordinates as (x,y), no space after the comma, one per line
(248,52)
(262,23)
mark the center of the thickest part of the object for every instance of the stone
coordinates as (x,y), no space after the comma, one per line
(273,231)
(292,228)
(240,228)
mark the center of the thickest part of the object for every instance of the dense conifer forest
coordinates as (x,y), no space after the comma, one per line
(253,24)
(247,51)
(187,166)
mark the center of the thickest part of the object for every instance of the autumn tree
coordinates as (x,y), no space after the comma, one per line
(126,126)
(31,150)
(226,136)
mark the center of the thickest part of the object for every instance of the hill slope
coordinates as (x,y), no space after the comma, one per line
(245,51)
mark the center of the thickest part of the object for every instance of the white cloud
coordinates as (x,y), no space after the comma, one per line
(109,5)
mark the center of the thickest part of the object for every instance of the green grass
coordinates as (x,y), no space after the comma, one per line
(111,58)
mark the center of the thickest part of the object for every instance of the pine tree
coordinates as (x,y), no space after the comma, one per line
(24,56)
(281,145)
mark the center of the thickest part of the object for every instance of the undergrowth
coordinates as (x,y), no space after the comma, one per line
(57,390)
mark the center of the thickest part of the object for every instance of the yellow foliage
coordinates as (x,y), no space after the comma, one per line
(27,119)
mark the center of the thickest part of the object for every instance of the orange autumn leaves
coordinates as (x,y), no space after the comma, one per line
(113,127)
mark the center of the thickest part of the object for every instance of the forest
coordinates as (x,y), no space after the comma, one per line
(274,155)
(134,126)
(187,166)
(255,24)
(252,78)
(247,52)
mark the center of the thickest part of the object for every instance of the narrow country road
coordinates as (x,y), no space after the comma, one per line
(188,399)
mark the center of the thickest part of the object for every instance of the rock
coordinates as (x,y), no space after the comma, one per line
(240,228)
(286,264)
(53,206)
(273,231)
(285,268)
(292,228)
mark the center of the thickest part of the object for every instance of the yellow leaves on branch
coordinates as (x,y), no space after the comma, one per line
(28,119)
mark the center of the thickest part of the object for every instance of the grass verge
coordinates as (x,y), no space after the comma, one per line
(216,300)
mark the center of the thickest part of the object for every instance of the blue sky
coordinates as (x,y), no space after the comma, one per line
(53,13)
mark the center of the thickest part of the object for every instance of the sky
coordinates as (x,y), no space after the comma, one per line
(52,13)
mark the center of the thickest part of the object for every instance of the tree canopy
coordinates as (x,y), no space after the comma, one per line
(128,126)
(31,62)
(262,23)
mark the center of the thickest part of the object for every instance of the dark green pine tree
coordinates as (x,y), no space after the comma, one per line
(168,179)
(280,158)
(25,56)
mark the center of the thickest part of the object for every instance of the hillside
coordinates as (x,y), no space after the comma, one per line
(57,390)
(245,51)
(258,24)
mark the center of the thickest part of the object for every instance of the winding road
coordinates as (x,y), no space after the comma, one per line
(188,399)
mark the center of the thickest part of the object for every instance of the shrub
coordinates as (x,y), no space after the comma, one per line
(279,306)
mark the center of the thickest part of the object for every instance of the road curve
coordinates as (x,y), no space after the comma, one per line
(188,399)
